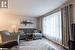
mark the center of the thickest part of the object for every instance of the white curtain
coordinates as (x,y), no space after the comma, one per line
(52,27)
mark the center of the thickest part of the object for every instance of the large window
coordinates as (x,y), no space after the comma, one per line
(52,27)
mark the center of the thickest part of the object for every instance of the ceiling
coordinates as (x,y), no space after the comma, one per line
(34,8)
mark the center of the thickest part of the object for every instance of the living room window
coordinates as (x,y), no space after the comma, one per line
(52,27)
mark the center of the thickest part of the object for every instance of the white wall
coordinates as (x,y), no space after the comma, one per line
(29,19)
(11,5)
(39,23)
